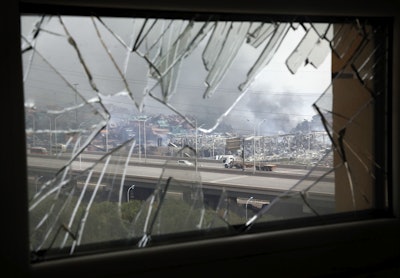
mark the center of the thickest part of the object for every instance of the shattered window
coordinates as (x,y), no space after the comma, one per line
(141,131)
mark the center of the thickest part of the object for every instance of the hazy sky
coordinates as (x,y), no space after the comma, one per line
(277,97)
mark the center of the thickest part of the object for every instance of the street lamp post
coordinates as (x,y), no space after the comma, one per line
(144,138)
(309,142)
(247,202)
(128,191)
(36,182)
(55,129)
(79,146)
(50,133)
(76,102)
(196,143)
(54,118)
(170,144)
(259,125)
(243,154)
(213,147)
(32,114)
(107,137)
(140,146)
(254,150)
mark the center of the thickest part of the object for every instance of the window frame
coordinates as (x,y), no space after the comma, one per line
(210,253)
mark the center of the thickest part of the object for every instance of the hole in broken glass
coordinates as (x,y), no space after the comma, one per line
(145,127)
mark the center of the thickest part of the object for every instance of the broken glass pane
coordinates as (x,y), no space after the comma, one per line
(143,130)
(312,49)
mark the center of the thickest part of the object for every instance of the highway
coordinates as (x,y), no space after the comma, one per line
(212,174)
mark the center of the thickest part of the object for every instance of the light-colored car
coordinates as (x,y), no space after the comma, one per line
(185,162)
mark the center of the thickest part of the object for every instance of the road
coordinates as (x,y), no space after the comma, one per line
(211,174)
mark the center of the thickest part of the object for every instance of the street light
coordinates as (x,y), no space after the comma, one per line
(254,148)
(76,102)
(196,142)
(36,182)
(309,141)
(127,192)
(170,144)
(144,138)
(53,117)
(55,129)
(107,137)
(79,142)
(31,113)
(258,127)
(247,202)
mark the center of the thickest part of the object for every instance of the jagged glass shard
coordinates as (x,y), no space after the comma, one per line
(322,29)
(60,121)
(260,33)
(313,195)
(267,54)
(311,50)
(228,49)
(65,210)
(177,203)
(370,60)
(345,39)
(167,65)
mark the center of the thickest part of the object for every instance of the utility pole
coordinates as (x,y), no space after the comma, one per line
(145,141)
(254,150)
(76,103)
(140,146)
(243,155)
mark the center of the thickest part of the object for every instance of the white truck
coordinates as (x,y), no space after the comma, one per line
(228,160)
(231,161)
